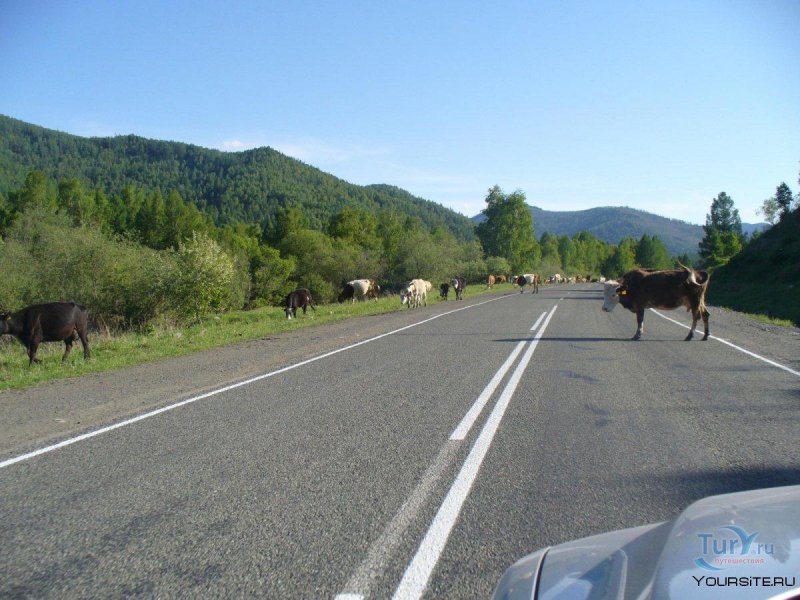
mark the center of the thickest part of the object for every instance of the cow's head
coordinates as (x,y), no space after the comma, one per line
(611,294)
(288,312)
(4,319)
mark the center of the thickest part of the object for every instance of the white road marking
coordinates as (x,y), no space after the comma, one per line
(739,348)
(381,551)
(463,428)
(419,571)
(153,413)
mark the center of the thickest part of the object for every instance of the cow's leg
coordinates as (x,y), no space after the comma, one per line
(705,323)
(33,346)
(695,319)
(84,336)
(68,349)
(33,341)
(639,324)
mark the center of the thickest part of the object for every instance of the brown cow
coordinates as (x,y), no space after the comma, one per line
(490,281)
(641,289)
(52,322)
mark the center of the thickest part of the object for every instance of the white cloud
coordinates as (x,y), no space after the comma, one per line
(236,146)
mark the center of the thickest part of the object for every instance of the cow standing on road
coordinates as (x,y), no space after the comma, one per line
(641,289)
(52,322)
(527,279)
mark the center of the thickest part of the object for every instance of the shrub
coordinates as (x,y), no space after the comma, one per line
(205,278)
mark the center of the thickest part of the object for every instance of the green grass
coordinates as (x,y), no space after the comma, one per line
(769,320)
(127,349)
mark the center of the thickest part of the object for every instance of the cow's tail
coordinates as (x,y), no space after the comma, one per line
(699,278)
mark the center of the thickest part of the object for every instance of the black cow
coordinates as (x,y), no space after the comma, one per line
(299,298)
(444,291)
(348,293)
(459,283)
(53,322)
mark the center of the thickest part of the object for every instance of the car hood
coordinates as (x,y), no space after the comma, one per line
(741,545)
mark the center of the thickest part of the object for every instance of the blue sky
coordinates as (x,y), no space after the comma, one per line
(658,106)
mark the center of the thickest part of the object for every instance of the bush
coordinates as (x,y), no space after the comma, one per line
(45,259)
(205,279)
(497,265)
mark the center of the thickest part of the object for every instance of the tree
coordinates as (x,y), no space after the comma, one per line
(769,208)
(551,258)
(75,201)
(622,259)
(723,232)
(783,198)
(651,253)
(355,225)
(508,229)
(36,191)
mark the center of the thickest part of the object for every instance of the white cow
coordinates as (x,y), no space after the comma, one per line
(414,293)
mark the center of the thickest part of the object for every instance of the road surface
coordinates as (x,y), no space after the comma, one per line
(414,455)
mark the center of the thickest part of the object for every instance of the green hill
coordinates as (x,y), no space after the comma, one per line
(764,278)
(613,223)
(230,186)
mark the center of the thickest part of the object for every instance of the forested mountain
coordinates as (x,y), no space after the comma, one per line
(244,186)
(611,224)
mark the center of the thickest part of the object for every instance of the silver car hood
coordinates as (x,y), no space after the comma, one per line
(742,545)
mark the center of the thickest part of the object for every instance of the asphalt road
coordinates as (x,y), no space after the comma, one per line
(340,476)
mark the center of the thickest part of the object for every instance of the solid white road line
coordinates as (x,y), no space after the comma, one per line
(463,428)
(227,388)
(419,570)
(381,551)
(739,348)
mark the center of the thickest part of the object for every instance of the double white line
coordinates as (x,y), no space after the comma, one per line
(427,556)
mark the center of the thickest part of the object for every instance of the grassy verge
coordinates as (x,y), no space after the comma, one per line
(128,349)
(766,319)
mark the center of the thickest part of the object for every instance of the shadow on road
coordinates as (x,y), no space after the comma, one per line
(584,339)
(686,487)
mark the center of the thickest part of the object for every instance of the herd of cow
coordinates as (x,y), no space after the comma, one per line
(636,290)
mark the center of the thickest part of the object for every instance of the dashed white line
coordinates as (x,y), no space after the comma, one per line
(739,348)
(418,573)
(227,388)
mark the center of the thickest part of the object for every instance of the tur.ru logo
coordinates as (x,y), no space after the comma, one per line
(724,549)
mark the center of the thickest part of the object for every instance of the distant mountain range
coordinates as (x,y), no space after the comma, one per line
(613,223)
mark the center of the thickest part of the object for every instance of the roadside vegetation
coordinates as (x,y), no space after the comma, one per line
(764,278)
(172,255)
(114,350)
